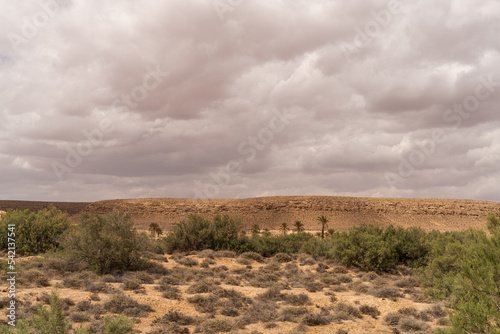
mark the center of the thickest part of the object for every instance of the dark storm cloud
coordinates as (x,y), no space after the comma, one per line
(183,99)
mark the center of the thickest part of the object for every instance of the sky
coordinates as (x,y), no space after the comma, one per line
(237,99)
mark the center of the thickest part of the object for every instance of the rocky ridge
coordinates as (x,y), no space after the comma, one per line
(343,212)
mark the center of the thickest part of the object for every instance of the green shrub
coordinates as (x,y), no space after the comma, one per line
(49,321)
(107,243)
(198,233)
(34,232)
(364,247)
(117,325)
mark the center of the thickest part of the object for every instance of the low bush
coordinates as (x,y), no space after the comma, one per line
(410,324)
(392,319)
(175,317)
(122,304)
(369,310)
(117,325)
(316,319)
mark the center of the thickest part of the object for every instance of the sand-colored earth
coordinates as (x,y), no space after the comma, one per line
(319,299)
(271,212)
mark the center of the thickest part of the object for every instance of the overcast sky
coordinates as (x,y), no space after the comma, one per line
(234,99)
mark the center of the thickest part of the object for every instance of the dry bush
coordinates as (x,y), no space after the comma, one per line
(313,285)
(437,311)
(273,293)
(44,297)
(410,324)
(244,261)
(344,278)
(308,262)
(261,311)
(252,256)
(271,267)
(261,279)
(67,303)
(232,280)
(330,280)
(133,284)
(175,317)
(322,268)
(282,257)
(392,319)
(370,310)
(171,292)
(341,331)
(79,317)
(311,319)
(350,311)
(292,314)
(186,261)
(206,254)
(359,287)
(144,277)
(291,267)
(122,304)
(338,288)
(95,297)
(203,286)
(230,311)
(387,292)
(204,304)
(207,262)
(33,277)
(408,312)
(83,305)
(298,300)
(339,270)
(73,283)
(225,253)
(215,326)
(368,277)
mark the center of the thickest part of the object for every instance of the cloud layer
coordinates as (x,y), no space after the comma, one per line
(234,99)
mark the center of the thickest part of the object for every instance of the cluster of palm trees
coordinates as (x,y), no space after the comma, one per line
(298,226)
(155,230)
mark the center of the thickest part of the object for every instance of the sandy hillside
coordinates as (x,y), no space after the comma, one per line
(343,212)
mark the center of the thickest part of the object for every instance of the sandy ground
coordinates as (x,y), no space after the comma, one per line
(319,299)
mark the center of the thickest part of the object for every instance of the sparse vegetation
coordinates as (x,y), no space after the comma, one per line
(401,264)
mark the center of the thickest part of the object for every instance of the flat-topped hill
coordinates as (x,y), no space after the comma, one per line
(343,212)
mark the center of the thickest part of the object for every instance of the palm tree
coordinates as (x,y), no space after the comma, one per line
(299,227)
(324,223)
(155,229)
(284,228)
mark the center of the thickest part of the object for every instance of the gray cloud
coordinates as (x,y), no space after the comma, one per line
(162,99)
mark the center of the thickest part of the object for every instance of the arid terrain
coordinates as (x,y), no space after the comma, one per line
(270,212)
(211,292)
